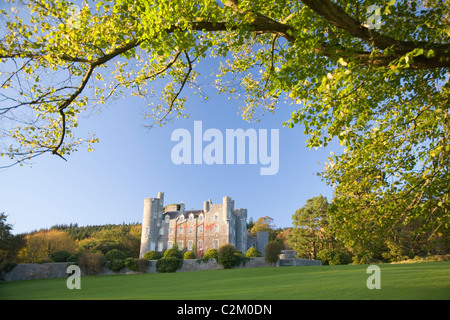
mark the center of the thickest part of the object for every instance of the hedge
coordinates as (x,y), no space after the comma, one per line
(165,265)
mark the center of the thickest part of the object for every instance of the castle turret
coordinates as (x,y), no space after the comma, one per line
(151,222)
(241,229)
(227,208)
(262,239)
(161,201)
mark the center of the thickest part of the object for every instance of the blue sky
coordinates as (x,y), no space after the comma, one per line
(132,163)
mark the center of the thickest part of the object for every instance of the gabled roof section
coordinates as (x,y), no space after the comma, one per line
(175,214)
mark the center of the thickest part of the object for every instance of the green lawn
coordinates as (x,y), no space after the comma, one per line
(430,280)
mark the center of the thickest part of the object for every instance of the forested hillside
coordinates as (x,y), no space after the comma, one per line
(45,244)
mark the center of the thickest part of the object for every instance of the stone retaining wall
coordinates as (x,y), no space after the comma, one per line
(28,271)
(298,262)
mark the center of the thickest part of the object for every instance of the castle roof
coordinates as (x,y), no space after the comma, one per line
(174,214)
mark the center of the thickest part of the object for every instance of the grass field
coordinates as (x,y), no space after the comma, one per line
(430,280)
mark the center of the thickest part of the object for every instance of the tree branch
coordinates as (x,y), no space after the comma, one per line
(65,104)
(337,16)
(186,77)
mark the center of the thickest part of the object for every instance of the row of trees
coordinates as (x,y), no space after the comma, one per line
(321,231)
(39,246)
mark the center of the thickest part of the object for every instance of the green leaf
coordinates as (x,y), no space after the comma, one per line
(430,53)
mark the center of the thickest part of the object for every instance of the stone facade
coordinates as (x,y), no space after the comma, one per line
(199,230)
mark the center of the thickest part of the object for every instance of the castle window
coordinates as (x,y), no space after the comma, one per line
(200,245)
(200,217)
(167,218)
(181,230)
(160,246)
(147,230)
(180,245)
(200,229)
(191,217)
(189,245)
(216,228)
(171,230)
(170,245)
(190,229)
(161,231)
(216,244)
(216,217)
(181,218)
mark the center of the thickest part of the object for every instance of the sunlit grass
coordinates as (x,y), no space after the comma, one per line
(430,280)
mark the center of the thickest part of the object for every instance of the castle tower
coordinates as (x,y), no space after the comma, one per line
(227,208)
(262,239)
(241,230)
(151,223)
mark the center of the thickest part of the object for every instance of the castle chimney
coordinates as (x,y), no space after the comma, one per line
(182,207)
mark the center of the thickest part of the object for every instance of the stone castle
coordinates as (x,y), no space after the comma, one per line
(198,230)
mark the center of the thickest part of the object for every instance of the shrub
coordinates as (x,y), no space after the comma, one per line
(132,264)
(153,255)
(333,257)
(189,255)
(228,256)
(396,252)
(143,264)
(326,256)
(272,249)
(173,253)
(116,265)
(74,257)
(252,252)
(211,254)
(115,254)
(9,266)
(60,256)
(91,263)
(168,264)
(44,260)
